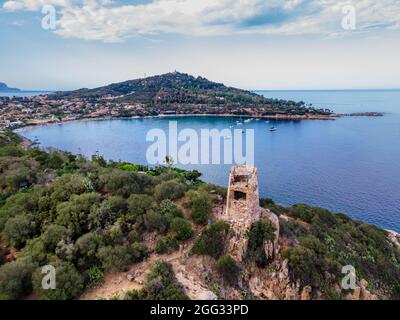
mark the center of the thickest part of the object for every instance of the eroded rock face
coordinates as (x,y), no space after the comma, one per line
(274,284)
(361,292)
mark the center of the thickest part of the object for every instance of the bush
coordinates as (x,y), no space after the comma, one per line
(106,213)
(259,232)
(182,229)
(161,284)
(114,258)
(69,282)
(138,205)
(52,236)
(95,277)
(212,240)
(228,268)
(155,221)
(19,229)
(124,183)
(166,245)
(85,249)
(170,210)
(16,278)
(169,190)
(200,204)
(73,214)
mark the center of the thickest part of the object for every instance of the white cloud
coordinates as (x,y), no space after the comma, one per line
(112,21)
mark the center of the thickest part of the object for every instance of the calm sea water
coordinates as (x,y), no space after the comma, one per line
(22,93)
(349,165)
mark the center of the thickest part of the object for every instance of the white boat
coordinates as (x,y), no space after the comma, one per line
(247,120)
(273,129)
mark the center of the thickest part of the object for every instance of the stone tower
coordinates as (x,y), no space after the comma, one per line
(243,209)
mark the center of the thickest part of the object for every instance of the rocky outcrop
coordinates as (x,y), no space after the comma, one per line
(361,292)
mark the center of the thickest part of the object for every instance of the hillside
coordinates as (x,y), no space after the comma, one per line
(124,231)
(5,88)
(185,91)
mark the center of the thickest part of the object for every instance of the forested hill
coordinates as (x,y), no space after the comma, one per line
(182,89)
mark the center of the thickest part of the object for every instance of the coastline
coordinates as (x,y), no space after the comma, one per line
(272,117)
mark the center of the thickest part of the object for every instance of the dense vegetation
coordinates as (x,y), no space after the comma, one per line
(321,243)
(84,217)
(90,217)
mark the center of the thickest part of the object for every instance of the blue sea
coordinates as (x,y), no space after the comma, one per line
(350,165)
(22,93)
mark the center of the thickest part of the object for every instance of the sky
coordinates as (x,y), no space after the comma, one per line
(251,44)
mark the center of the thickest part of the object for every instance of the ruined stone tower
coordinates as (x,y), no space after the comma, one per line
(243,209)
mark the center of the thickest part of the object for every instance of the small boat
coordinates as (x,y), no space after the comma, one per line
(273,129)
(239,123)
(247,120)
(267,121)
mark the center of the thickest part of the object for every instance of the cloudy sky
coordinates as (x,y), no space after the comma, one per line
(253,44)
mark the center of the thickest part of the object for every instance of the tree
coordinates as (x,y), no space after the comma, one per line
(169,190)
(16,278)
(19,229)
(228,268)
(69,282)
(182,229)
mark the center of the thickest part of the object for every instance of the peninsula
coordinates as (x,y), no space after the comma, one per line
(168,94)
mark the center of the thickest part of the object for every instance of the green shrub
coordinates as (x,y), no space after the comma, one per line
(166,245)
(161,284)
(200,204)
(124,183)
(258,233)
(106,213)
(114,258)
(138,205)
(170,210)
(19,229)
(182,229)
(16,278)
(69,282)
(52,236)
(228,268)
(85,249)
(212,241)
(169,190)
(95,277)
(155,221)
(74,213)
